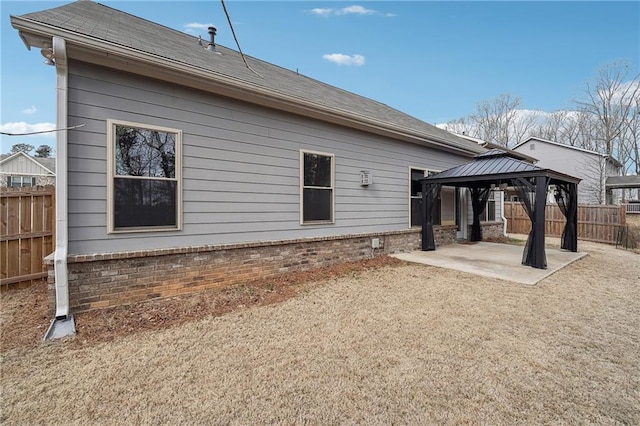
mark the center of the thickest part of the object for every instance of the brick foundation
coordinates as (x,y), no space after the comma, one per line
(491,229)
(112,279)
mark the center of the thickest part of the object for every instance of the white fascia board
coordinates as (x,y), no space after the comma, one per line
(99,51)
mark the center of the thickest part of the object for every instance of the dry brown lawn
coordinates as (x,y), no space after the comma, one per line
(394,344)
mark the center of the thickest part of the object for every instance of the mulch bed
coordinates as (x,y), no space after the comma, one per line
(25,318)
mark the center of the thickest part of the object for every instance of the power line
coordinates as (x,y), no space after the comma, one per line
(224,7)
(41,132)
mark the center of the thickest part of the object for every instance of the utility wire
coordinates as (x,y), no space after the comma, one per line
(224,7)
(42,131)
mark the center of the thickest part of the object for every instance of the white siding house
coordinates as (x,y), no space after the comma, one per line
(22,170)
(590,166)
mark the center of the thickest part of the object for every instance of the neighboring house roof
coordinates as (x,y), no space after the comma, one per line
(494,165)
(491,145)
(45,166)
(623,182)
(615,162)
(99,34)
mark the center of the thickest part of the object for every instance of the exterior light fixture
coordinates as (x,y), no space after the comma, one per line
(365,178)
(47,52)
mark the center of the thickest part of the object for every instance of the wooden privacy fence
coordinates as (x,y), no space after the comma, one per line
(595,223)
(27,223)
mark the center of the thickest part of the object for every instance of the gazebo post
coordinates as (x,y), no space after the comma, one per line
(539,238)
(573,193)
(425,231)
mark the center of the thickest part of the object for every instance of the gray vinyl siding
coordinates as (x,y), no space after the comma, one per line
(240,166)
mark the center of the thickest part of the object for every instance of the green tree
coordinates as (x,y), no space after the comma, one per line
(22,147)
(43,151)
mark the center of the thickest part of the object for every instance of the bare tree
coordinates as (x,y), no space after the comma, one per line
(593,187)
(610,101)
(551,129)
(462,126)
(523,126)
(495,118)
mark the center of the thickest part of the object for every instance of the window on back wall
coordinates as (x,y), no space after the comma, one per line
(317,187)
(416,198)
(490,209)
(144,177)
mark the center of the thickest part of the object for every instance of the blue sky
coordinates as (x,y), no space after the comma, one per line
(433,60)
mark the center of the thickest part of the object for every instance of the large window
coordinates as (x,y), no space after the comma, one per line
(144,177)
(317,182)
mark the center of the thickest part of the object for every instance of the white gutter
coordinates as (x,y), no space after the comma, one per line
(62,236)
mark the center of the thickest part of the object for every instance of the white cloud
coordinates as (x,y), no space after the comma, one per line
(20,127)
(355,10)
(191,27)
(341,59)
(349,10)
(30,111)
(321,12)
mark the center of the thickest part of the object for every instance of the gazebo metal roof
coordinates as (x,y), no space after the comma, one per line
(495,166)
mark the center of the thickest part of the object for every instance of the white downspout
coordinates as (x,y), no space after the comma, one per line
(504,219)
(62,232)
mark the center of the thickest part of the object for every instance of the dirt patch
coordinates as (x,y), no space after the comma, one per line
(25,320)
(23,317)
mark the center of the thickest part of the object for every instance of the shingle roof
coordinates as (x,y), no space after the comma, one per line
(632,181)
(494,165)
(49,163)
(101,22)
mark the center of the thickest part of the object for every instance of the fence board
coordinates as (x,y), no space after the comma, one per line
(595,223)
(27,228)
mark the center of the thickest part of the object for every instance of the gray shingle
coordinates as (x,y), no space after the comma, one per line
(102,22)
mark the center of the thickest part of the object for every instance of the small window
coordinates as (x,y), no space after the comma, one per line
(21,181)
(144,177)
(317,182)
(490,209)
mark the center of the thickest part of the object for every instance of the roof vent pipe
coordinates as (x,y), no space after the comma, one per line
(212,42)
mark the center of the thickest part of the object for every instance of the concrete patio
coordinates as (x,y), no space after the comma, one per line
(502,261)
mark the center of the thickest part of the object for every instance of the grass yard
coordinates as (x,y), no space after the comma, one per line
(394,344)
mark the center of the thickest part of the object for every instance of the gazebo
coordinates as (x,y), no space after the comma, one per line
(496,168)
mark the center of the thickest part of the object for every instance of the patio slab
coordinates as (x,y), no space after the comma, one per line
(502,261)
